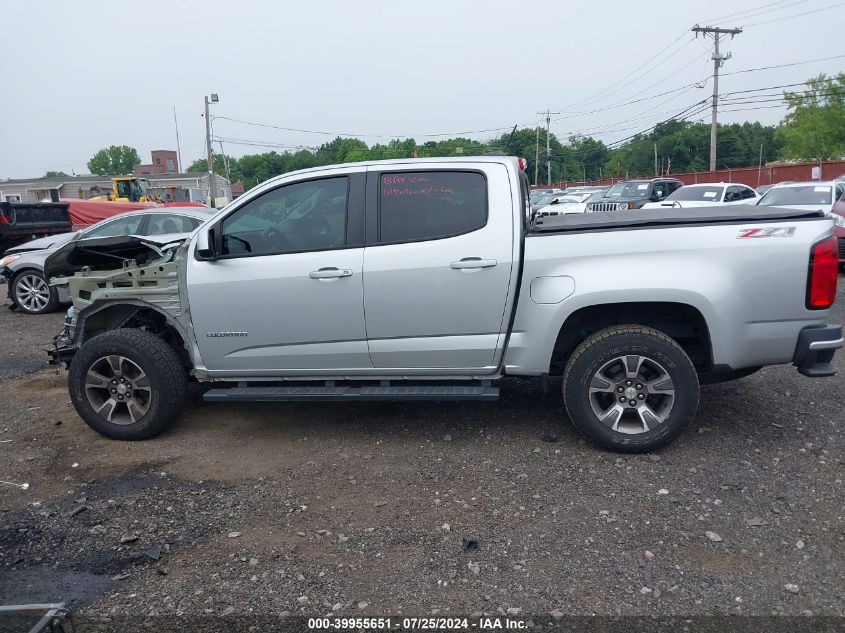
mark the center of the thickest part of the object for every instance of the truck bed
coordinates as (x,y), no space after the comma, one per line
(668,217)
(21,222)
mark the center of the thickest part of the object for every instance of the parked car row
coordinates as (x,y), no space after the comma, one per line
(668,193)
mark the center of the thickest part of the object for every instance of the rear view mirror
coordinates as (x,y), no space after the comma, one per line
(205,245)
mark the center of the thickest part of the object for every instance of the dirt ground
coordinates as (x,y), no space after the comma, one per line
(418,509)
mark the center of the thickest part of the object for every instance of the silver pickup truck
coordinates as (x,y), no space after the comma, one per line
(427,279)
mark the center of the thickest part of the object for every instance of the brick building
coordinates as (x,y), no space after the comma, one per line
(164,161)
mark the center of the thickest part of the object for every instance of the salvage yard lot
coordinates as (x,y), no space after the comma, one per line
(363,508)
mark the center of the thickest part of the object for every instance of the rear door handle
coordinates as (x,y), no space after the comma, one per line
(330,273)
(473,262)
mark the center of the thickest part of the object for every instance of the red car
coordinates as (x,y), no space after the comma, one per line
(839,228)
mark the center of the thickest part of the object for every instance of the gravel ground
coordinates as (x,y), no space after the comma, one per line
(418,509)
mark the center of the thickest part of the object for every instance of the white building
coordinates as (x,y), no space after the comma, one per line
(40,189)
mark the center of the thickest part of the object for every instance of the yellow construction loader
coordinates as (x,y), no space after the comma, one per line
(126,189)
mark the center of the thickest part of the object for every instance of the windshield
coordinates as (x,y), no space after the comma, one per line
(628,190)
(797,195)
(703,194)
(595,196)
(546,199)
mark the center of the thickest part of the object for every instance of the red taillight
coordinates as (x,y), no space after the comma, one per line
(523,164)
(821,282)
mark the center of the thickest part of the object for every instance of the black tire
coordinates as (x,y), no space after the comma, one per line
(31,278)
(163,396)
(597,354)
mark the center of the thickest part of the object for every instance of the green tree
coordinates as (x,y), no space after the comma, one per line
(117,159)
(814,127)
(55,174)
(201,166)
(683,146)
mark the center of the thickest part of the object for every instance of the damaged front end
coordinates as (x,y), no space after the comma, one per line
(128,274)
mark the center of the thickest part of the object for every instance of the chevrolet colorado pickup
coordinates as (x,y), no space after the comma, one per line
(425,279)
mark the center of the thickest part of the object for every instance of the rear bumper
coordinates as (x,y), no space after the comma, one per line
(815,349)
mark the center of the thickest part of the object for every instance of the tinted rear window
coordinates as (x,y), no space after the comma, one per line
(628,190)
(426,205)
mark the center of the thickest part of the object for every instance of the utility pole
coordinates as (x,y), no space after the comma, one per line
(718,61)
(212,184)
(548,145)
(225,162)
(178,146)
(655,160)
(537,157)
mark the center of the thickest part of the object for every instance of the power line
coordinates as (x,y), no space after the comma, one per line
(797,15)
(734,92)
(675,72)
(683,113)
(776,98)
(756,10)
(636,76)
(685,88)
(595,96)
(353,134)
(680,89)
(801,63)
(749,109)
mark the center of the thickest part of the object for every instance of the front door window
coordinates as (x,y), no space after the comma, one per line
(296,218)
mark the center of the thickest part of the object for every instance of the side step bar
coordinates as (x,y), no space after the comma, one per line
(283,394)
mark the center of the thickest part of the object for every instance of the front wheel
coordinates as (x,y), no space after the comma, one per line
(127,384)
(32,294)
(630,388)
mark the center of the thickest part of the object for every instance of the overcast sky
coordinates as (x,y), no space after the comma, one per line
(82,75)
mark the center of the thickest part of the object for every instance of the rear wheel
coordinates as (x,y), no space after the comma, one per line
(32,294)
(127,384)
(630,388)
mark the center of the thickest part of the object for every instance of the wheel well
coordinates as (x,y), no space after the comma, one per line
(20,272)
(138,317)
(682,322)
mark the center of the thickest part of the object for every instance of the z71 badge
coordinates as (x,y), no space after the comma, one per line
(772,231)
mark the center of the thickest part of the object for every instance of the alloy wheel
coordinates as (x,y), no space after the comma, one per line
(32,292)
(118,390)
(631,394)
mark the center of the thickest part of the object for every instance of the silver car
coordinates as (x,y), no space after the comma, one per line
(23,265)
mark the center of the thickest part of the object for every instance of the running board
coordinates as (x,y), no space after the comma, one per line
(283,394)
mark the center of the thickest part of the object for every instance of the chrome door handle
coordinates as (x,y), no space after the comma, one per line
(330,273)
(473,262)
